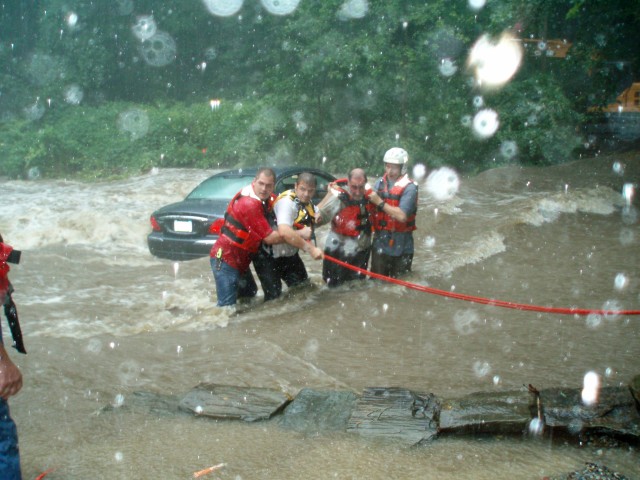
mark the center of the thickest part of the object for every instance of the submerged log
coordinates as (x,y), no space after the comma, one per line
(395,413)
(486,412)
(614,413)
(314,411)
(234,403)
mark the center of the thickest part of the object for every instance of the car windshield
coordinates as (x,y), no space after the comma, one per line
(220,187)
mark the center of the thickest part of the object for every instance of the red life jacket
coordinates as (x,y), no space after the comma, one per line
(234,228)
(5,250)
(382,221)
(355,217)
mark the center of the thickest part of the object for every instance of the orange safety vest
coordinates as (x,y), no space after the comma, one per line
(234,228)
(355,217)
(382,221)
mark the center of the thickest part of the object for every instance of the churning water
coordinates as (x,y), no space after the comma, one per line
(102,319)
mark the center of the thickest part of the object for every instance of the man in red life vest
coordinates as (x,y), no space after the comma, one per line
(349,240)
(246,226)
(396,199)
(10,375)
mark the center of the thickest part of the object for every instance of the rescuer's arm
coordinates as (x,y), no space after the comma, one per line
(294,239)
(10,375)
(395,212)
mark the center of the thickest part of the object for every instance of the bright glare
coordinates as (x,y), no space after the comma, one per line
(419,172)
(223,8)
(495,63)
(591,388)
(443,183)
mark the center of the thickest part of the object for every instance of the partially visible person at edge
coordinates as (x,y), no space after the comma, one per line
(10,384)
(295,216)
(349,240)
(396,199)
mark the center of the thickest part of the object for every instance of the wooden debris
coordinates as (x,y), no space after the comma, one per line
(395,413)
(314,411)
(234,403)
(487,412)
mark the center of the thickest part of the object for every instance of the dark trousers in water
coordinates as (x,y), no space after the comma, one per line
(389,266)
(273,271)
(335,275)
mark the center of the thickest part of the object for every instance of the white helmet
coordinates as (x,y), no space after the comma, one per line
(396,155)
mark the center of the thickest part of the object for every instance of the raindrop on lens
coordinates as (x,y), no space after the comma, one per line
(593,320)
(353,9)
(443,183)
(536,426)
(419,172)
(478,101)
(618,168)
(485,123)
(118,456)
(621,281)
(481,369)
(119,400)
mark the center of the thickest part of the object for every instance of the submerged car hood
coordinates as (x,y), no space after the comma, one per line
(198,206)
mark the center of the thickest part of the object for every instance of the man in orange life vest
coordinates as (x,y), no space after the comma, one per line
(246,226)
(10,375)
(396,199)
(349,240)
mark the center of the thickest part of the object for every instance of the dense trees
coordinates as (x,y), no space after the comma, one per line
(324,84)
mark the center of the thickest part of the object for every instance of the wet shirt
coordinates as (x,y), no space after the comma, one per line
(286,211)
(397,243)
(251,213)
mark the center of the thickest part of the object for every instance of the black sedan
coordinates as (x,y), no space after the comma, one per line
(188,229)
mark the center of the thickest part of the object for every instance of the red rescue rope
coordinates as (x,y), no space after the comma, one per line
(484,301)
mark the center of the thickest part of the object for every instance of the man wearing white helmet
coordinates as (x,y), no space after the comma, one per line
(395,196)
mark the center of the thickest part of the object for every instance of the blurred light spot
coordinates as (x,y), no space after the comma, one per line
(465,321)
(476,4)
(508,149)
(118,456)
(485,123)
(158,50)
(497,380)
(618,168)
(447,67)
(536,426)
(478,101)
(628,191)
(590,388)
(627,236)
(118,401)
(593,320)
(223,8)
(621,281)
(135,122)
(481,369)
(73,94)
(419,172)
(72,19)
(429,242)
(214,103)
(385,307)
(611,306)
(179,349)
(495,63)
(443,183)
(280,7)
(144,28)
(609,372)
(465,120)
(353,9)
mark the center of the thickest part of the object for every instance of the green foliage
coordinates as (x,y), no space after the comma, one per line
(305,88)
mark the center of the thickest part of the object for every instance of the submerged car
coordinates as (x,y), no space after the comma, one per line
(188,229)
